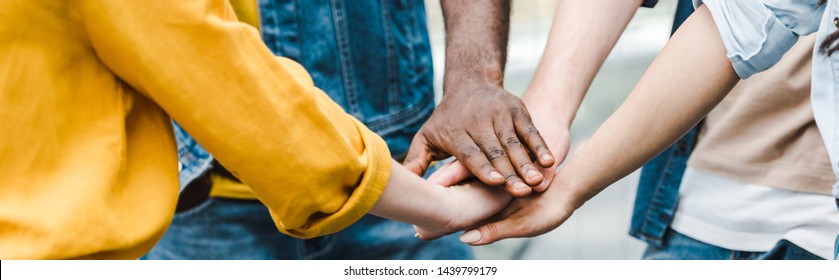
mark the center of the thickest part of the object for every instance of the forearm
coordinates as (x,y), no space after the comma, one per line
(582,35)
(434,209)
(314,166)
(476,43)
(410,199)
(690,76)
(478,121)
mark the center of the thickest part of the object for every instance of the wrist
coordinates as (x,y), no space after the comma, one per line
(464,84)
(549,119)
(553,109)
(573,192)
(440,214)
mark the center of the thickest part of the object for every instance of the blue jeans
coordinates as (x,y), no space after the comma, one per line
(836,249)
(223,228)
(680,247)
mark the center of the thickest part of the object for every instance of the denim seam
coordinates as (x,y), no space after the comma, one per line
(411,114)
(344,58)
(647,216)
(392,75)
(666,175)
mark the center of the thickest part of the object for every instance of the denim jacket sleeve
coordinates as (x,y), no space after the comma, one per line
(756,34)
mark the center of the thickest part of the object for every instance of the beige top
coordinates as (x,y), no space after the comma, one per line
(764,131)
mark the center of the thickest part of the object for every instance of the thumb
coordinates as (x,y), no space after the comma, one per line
(516,223)
(455,172)
(491,232)
(510,222)
(549,173)
(418,157)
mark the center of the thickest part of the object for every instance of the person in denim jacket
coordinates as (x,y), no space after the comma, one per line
(373,58)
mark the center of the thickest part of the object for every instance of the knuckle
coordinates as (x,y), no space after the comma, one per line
(483,140)
(516,110)
(491,231)
(468,152)
(495,154)
(512,143)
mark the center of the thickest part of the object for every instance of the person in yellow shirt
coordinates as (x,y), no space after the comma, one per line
(377,67)
(87,90)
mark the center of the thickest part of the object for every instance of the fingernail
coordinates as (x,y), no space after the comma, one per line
(471,236)
(495,176)
(547,157)
(416,235)
(520,186)
(532,174)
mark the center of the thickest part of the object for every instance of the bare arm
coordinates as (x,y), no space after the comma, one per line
(688,78)
(685,82)
(582,35)
(574,55)
(478,122)
(434,209)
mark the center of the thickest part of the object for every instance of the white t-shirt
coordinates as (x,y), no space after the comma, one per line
(747,217)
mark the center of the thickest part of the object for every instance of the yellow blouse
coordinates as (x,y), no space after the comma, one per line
(89,165)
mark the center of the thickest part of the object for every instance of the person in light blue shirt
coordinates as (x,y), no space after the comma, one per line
(723,42)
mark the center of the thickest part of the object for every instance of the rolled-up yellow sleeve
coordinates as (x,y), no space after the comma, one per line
(316,168)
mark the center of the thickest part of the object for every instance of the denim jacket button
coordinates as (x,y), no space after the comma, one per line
(836,22)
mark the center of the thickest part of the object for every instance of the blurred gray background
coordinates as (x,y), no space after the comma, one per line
(599,229)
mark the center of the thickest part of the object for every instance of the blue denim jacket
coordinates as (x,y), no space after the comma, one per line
(371,57)
(756,34)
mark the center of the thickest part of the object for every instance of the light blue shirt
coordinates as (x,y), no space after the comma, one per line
(757,33)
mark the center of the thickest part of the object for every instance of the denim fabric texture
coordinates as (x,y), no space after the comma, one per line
(237,229)
(681,247)
(374,59)
(371,57)
(193,160)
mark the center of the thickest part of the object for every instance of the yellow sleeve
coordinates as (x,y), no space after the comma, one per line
(316,168)
(247,11)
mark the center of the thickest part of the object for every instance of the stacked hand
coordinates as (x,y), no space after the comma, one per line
(490,132)
(528,215)
(468,203)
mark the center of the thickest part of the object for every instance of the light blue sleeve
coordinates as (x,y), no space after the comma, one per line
(757,33)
